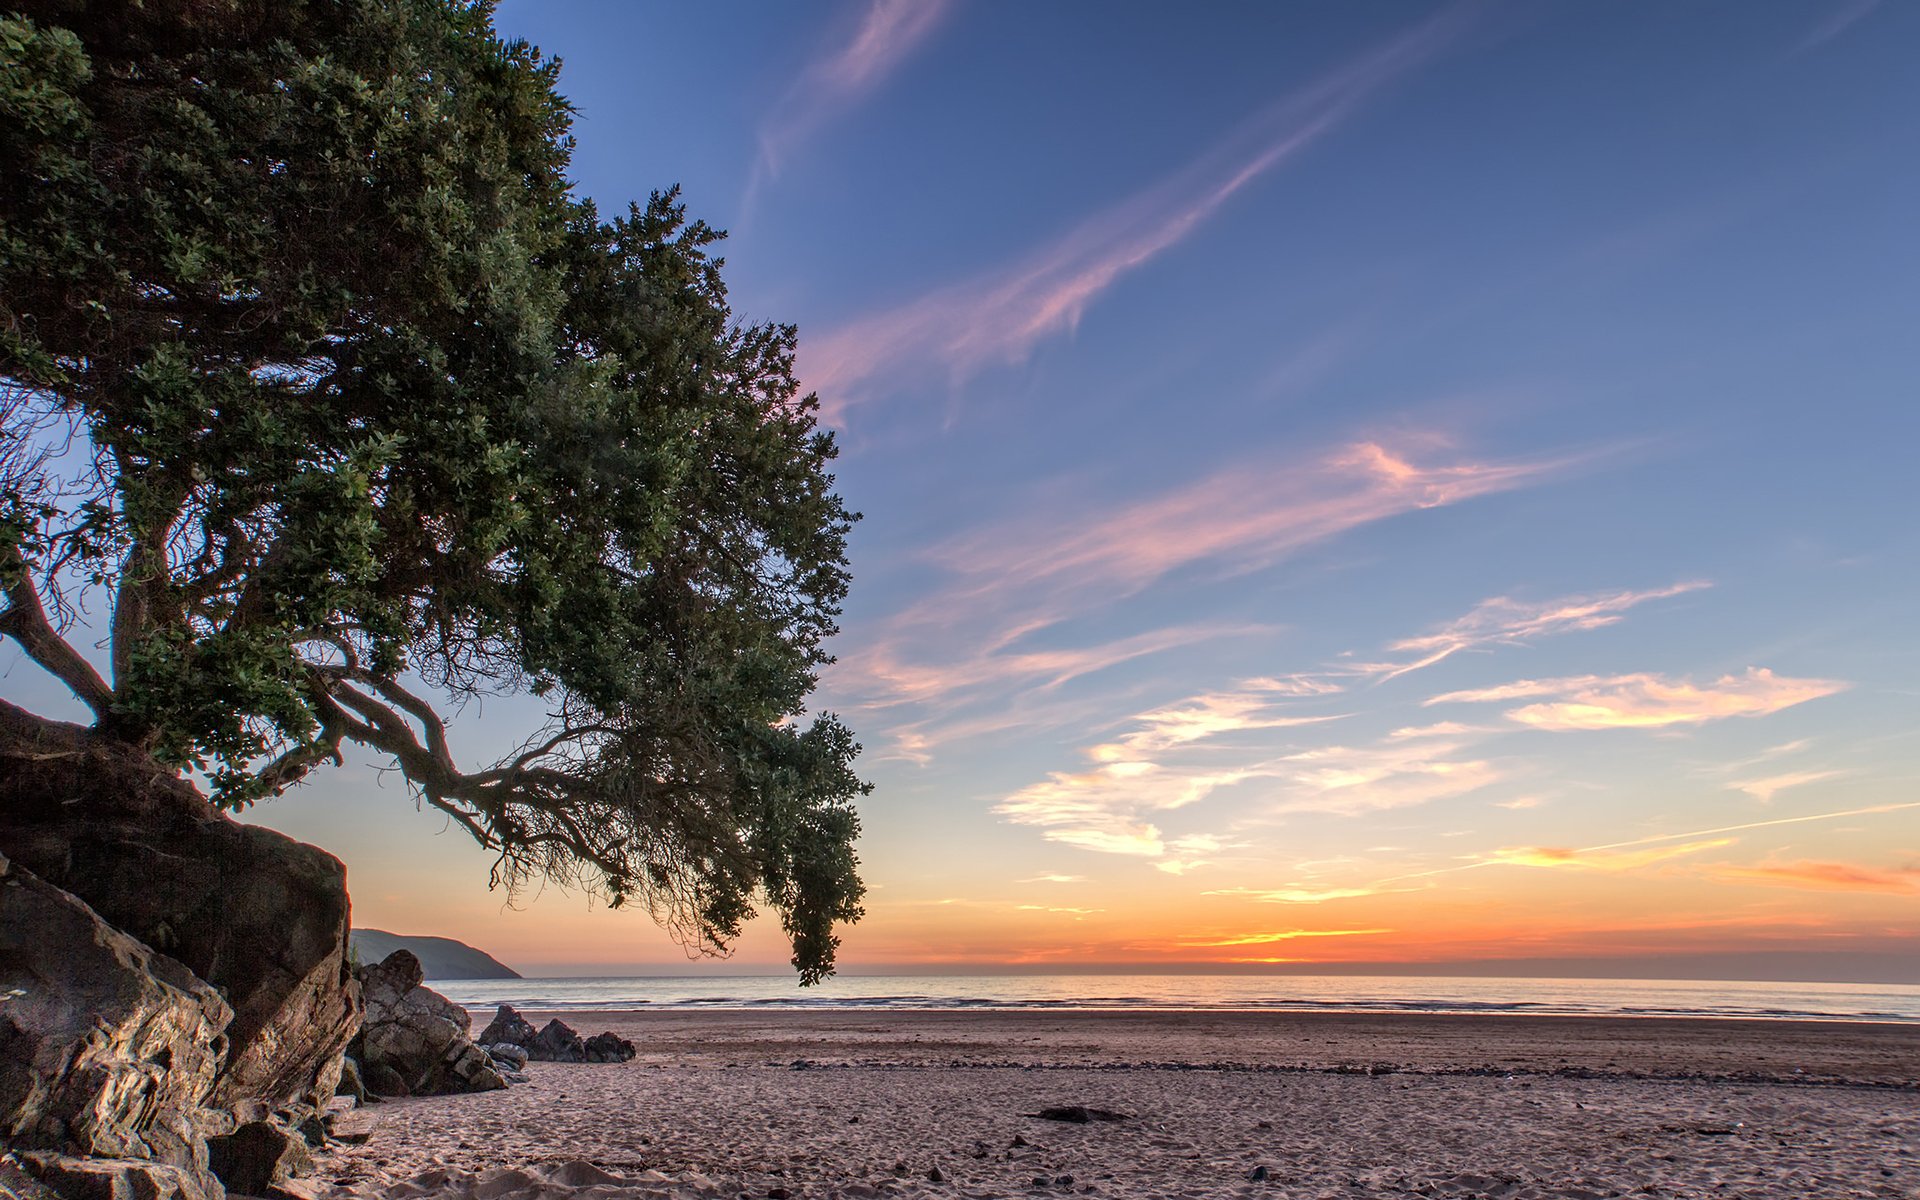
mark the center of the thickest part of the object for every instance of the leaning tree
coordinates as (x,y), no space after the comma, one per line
(317,374)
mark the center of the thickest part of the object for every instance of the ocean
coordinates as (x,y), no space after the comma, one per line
(1301,993)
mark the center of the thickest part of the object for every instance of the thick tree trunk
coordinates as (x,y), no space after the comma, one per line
(258,915)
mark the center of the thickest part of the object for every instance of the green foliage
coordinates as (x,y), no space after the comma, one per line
(368,398)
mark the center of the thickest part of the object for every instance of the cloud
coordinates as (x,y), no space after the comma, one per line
(1286,935)
(1301,895)
(1503,621)
(1241,519)
(889,31)
(1053,879)
(1394,773)
(970,655)
(1837,21)
(1598,859)
(1204,716)
(1827,876)
(1651,840)
(881,674)
(1763,789)
(1646,701)
(1000,316)
(1106,808)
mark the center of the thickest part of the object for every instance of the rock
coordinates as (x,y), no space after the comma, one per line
(350,1084)
(507,1027)
(259,916)
(557,1043)
(256,1156)
(17,1184)
(312,1129)
(607,1048)
(414,1040)
(936,1175)
(1077,1114)
(383,1080)
(1259,1174)
(354,1128)
(107,1049)
(118,1179)
(510,1053)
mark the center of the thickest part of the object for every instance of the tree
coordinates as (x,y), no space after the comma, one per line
(312,362)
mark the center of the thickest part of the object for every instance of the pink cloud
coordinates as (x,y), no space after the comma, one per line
(1244,518)
(888,33)
(1001,316)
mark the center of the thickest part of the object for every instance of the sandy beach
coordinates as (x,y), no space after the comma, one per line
(859,1104)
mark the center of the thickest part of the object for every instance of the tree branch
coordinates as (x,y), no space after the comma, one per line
(25,621)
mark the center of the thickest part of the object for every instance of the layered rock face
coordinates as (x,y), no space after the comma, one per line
(414,1040)
(174,990)
(261,917)
(110,1049)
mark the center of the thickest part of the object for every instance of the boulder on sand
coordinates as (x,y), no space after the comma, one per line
(109,1049)
(608,1048)
(514,1057)
(414,1040)
(508,1026)
(557,1042)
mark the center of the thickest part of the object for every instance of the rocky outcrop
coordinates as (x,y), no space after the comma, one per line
(64,1177)
(556,1042)
(414,1040)
(508,1026)
(108,1049)
(608,1048)
(261,917)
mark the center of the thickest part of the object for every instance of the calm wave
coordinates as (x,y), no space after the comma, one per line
(1580,997)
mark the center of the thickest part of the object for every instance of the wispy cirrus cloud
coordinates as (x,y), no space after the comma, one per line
(1398,771)
(1303,895)
(1503,621)
(1252,706)
(1597,859)
(1646,701)
(1766,787)
(999,317)
(1239,519)
(888,33)
(1110,807)
(978,641)
(1827,876)
(1284,935)
(1837,20)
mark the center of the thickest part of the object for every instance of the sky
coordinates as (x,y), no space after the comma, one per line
(1397,484)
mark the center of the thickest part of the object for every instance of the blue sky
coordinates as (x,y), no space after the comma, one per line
(1389,482)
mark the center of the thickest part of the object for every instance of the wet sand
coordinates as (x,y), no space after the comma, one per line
(861,1104)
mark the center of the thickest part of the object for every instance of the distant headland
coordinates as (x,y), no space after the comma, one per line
(440,957)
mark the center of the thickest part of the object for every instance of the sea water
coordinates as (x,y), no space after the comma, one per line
(1300,993)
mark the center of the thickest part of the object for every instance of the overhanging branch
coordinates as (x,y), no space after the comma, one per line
(25,621)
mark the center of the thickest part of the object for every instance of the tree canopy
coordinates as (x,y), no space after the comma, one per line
(313,363)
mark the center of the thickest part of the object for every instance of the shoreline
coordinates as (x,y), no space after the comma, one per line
(834,1104)
(1878,1054)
